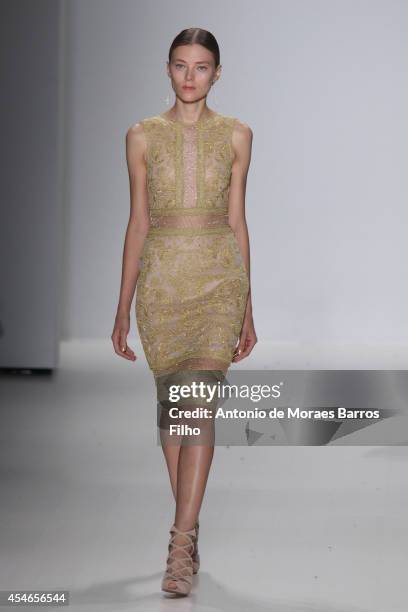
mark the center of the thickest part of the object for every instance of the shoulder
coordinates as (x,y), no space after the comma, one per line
(135,131)
(135,140)
(141,133)
(139,129)
(241,139)
(242,130)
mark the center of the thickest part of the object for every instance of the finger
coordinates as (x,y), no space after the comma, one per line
(241,354)
(241,344)
(122,343)
(119,340)
(129,353)
(238,354)
(115,341)
(126,354)
(246,351)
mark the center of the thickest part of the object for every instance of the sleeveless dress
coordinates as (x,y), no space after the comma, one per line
(192,287)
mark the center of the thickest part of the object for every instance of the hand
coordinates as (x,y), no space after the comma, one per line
(247,340)
(119,335)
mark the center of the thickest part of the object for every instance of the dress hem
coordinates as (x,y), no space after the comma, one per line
(196,362)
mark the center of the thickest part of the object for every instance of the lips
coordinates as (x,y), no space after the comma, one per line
(186,87)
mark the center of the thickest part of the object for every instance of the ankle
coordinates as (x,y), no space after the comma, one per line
(184,526)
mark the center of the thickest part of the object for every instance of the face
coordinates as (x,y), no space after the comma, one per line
(192,72)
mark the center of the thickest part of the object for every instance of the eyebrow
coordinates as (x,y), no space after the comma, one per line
(181,60)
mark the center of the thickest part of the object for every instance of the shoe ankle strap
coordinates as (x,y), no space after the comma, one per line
(175,529)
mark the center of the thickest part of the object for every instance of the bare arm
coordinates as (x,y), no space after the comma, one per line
(137,228)
(242,144)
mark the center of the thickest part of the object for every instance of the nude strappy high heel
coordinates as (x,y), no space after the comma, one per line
(196,556)
(178,577)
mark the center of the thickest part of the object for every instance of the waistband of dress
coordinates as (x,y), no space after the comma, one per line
(182,222)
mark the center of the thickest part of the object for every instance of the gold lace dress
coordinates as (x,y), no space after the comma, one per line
(192,287)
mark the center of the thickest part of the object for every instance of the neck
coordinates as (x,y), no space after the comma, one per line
(188,115)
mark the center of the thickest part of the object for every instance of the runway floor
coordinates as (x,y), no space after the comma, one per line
(86,505)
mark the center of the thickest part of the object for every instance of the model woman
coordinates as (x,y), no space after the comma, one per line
(187,228)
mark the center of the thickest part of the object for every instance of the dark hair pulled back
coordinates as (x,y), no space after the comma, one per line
(197,36)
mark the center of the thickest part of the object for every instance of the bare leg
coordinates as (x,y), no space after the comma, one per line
(199,466)
(194,464)
(192,475)
(171,454)
(188,461)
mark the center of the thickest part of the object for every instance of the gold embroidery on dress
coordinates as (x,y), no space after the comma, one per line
(193,285)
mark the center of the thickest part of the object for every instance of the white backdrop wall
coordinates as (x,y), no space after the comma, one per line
(324,87)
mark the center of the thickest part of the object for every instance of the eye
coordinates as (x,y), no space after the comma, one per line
(205,67)
(178,65)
